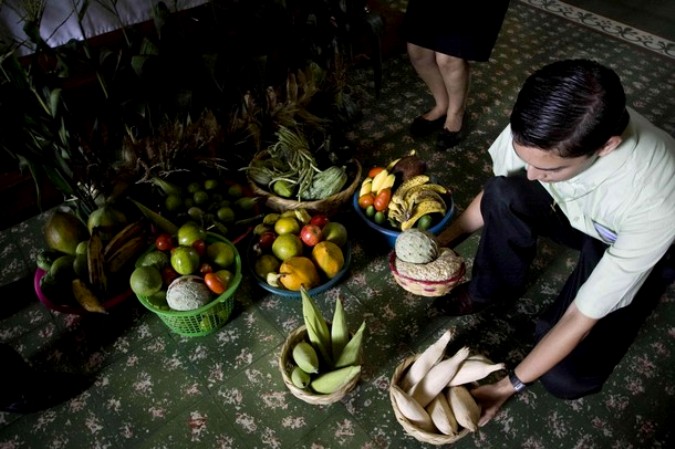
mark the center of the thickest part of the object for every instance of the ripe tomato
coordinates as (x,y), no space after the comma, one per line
(366,200)
(319,220)
(382,199)
(311,234)
(200,246)
(214,283)
(164,242)
(266,239)
(168,274)
(374,171)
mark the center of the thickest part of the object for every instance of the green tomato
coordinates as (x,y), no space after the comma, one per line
(189,233)
(425,222)
(210,184)
(370,211)
(379,217)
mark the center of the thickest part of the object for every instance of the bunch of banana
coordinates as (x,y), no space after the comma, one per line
(414,199)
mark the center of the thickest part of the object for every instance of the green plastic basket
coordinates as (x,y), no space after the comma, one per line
(206,319)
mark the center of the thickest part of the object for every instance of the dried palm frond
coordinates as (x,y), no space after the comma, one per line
(174,147)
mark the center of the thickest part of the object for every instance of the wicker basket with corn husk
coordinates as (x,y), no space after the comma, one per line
(425,436)
(289,161)
(307,395)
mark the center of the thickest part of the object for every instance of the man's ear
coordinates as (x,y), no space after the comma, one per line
(610,145)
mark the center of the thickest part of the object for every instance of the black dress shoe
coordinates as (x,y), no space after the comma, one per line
(459,302)
(448,139)
(421,127)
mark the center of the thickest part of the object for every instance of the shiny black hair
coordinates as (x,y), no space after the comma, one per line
(572,107)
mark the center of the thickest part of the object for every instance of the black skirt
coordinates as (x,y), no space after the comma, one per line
(466,29)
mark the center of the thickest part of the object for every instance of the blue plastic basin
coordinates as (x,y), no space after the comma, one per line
(389,235)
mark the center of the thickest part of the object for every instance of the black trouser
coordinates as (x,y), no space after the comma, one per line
(516,212)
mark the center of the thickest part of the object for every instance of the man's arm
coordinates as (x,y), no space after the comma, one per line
(555,346)
(469,221)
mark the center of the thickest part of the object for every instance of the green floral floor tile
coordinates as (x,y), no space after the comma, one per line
(339,430)
(247,337)
(147,386)
(263,410)
(201,425)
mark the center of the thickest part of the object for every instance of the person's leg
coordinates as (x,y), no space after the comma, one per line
(591,363)
(456,75)
(516,211)
(424,62)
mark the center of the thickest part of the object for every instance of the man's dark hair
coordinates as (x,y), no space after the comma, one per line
(572,107)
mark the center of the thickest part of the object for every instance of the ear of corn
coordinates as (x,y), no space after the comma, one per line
(473,370)
(412,410)
(300,378)
(339,331)
(317,328)
(351,351)
(332,381)
(438,378)
(432,355)
(465,407)
(442,416)
(305,357)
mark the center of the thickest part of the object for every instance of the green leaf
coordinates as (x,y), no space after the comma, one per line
(54,101)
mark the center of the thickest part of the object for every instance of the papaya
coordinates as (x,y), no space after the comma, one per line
(298,271)
(328,257)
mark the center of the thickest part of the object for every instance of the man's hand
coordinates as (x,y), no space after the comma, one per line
(491,397)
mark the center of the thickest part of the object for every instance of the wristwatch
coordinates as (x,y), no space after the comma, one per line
(518,384)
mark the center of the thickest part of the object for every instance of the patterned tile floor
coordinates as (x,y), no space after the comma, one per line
(155,389)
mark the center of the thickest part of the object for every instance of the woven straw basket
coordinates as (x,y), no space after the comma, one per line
(286,367)
(328,206)
(424,436)
(426,288)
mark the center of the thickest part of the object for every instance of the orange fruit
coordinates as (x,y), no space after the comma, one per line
(297,272)
(328,257)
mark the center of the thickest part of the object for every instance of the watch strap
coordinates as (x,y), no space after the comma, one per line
(518,384)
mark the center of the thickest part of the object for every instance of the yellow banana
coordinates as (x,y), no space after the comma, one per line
(366,187)
(379,180)
(387,183)
(426,207)
(424,189)
(123,255)
(86,298)
(409,184)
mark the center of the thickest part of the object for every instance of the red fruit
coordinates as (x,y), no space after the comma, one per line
(214,283)
(382,199)
(168,274)
(205,268)
(319,220)
(164,242)
(200,246)
(310,234)
(266,239)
